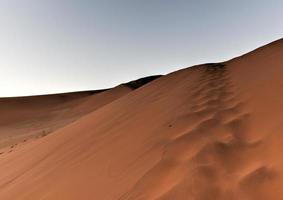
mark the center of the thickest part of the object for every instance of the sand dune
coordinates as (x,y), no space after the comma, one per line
(208,132)
(26,118)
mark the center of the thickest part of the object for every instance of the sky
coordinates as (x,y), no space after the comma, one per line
(52,46)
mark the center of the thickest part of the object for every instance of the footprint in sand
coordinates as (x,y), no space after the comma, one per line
(221,120)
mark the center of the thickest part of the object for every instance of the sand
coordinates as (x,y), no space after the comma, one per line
(208,132)
(27,118)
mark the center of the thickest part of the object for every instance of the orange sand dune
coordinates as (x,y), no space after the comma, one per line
(209,132)
(24,118)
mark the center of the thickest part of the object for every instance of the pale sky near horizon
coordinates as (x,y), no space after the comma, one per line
(51,46)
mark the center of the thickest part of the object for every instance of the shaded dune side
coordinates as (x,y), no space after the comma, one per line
(142,81)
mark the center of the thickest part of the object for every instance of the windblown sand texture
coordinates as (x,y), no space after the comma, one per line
(208,132)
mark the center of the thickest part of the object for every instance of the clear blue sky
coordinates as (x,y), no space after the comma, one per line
(49,46)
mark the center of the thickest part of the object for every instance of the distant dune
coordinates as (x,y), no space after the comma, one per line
(208,132)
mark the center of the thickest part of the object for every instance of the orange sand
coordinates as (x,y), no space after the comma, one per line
(209,132)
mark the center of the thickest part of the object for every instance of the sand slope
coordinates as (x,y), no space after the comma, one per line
(208,132)
(26,118)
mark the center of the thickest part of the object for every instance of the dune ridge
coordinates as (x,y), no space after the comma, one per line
(212,131)
(32,117)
